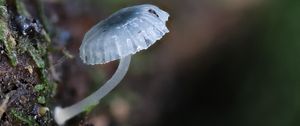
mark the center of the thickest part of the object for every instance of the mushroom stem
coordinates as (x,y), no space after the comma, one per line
(61,115)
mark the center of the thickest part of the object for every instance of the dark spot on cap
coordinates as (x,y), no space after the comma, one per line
(148,41)
(153,12)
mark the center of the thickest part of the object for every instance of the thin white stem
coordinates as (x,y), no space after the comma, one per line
(61,115)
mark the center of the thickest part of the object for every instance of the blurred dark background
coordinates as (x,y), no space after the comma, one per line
(224,63)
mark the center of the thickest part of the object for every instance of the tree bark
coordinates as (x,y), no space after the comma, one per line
(25,85)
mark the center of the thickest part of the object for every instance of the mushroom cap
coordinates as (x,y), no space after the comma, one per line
(124,33)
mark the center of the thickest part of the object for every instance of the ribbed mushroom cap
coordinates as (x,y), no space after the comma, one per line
(124,33)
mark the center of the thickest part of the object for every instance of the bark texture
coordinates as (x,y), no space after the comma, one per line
(25,87)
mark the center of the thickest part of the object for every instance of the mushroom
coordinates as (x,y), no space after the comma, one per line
(121,35)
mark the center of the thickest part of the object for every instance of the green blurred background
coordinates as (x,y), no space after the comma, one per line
(224,63)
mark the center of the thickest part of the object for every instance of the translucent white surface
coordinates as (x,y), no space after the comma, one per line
(125,32)
(61,115)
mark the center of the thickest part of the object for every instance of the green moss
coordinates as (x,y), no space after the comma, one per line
(2,8)
(44,89)
(48,87)
(41,100)
(3,11)
(10,48)
(3,30)
(9,43)
(2,2)
(22,117)
(39,87)
(37,58)
(16,45)
(26,46)
(21,8)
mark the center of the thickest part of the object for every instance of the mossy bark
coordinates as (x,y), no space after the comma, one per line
(25,88)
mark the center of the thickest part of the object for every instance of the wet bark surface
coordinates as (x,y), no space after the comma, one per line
(18,84)
(25,90)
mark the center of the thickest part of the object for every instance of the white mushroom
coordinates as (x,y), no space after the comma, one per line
(118,37)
